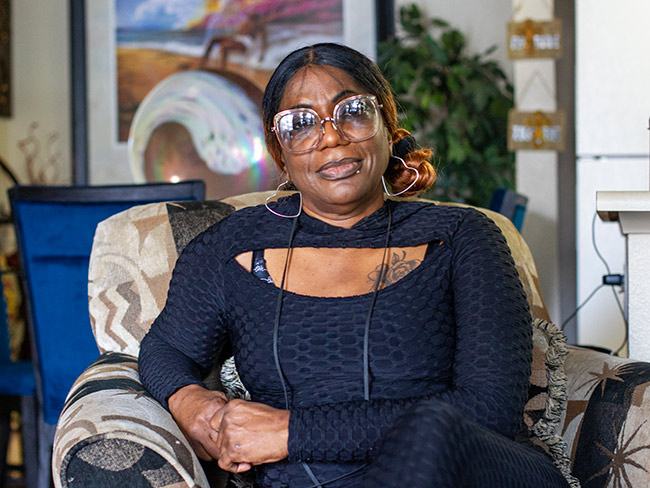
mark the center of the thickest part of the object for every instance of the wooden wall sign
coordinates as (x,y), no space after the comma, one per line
(536,130)
(530,39)
(5,60)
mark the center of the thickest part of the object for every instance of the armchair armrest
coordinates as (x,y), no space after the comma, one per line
(113,433)
(606,421)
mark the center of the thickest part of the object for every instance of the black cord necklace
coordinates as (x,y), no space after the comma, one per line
(366,334)
(366,331)
(278,312)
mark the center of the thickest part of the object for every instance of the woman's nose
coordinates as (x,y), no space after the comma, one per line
(331,136)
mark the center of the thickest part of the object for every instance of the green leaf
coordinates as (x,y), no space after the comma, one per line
(454,43)
(489,50)
(411,20)
(436,51)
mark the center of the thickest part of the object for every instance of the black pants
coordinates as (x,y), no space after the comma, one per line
(434,445)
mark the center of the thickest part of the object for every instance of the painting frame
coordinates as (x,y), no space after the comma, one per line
(93,90)
(5,59)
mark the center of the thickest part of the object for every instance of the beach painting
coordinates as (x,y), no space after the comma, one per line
(247,38)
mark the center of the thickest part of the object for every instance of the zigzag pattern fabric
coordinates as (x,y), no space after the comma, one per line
(134,253)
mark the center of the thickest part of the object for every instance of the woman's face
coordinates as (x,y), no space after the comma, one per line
(338,176)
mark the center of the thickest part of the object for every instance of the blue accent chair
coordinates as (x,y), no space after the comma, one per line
(511,204)
(55,226)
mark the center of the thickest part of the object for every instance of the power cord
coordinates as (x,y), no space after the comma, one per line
(609,279)
(575,312)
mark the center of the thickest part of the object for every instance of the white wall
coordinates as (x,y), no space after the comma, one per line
(612,76)
(600,322)
(612,111)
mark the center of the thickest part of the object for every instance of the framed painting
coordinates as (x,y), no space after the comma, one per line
(123,48)
(5,59)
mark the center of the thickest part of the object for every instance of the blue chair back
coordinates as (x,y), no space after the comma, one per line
(511,204)
(55,227)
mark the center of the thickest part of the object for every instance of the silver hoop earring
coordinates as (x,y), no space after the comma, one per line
(417,177)
(266,203)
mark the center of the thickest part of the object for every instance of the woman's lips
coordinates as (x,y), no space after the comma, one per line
(340,169)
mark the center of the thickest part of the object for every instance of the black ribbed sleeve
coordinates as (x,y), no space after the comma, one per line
(186,337)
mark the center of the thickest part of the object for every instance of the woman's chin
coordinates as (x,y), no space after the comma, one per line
(346,195)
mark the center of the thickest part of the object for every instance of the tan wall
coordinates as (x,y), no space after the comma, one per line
(37,135)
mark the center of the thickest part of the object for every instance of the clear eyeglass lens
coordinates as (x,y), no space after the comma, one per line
(299,129)
(357,119)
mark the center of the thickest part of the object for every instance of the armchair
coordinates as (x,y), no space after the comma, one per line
(587,409)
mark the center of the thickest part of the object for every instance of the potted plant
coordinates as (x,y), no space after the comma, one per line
(453,101)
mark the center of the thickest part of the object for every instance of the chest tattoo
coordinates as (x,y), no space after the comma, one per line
(396,269)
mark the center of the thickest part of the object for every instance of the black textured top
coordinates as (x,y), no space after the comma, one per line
(456,328)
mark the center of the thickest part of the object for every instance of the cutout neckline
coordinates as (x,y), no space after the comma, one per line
(430,251)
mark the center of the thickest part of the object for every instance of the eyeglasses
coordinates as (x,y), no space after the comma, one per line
(300,130)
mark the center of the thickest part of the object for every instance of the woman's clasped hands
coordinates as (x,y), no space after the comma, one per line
(237,433)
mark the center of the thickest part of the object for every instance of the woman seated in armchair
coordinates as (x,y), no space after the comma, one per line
(383,343)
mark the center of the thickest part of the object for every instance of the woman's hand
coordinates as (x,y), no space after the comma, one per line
(250,434)
(192,408)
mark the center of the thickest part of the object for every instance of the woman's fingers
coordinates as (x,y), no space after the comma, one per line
(227,465)
(215,420)
(231,459)
(238,434)
(251,433)
(226,456)
(193,408)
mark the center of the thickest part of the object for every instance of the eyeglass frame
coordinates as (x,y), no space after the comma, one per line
(321,130)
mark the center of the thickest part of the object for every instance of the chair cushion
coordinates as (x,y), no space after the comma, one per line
(606,421)
(547,395)
(133,256)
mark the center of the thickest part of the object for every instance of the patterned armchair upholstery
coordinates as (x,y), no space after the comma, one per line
(586,408)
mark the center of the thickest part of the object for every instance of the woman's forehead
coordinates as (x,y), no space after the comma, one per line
(318,81)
